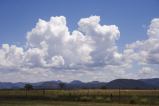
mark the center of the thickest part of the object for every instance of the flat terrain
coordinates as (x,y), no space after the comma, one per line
(92,97)
(80,92)
(58,103)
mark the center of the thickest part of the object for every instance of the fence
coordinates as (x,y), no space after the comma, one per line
(150,97)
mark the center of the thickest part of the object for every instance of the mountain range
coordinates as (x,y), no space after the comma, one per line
(76,84)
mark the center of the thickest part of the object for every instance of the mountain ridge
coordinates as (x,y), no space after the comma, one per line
(150,83)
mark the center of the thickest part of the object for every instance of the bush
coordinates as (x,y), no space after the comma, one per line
(99,99)
(85,98)
(108,99)
(133,100)
(144,100)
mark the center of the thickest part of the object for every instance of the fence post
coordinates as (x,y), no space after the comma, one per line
(88,92)
(43,92)
(111,97)
(26,93)
(119,96)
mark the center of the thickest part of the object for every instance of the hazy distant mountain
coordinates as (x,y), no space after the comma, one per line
(118,83)
(47,85)
(153,81)
(6,85)
(75,84)
(79,84)
(96,84)
(129,84)
(9,85)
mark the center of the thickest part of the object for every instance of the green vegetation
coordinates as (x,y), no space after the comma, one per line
(62,85)
(92,97)
(28,86)
(16,102)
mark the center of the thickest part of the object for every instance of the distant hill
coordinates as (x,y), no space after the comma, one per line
(9,85)
(129,84)
(47,85)
(76,84)
(153,81)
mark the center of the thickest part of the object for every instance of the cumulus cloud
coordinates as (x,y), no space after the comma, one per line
(87,53)
(146,72)
(59,44)
(153,30)
(104,38)
(11,56)
(146,51)
(91,43)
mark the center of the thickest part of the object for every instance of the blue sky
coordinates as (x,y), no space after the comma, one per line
(87,47)
(19,16)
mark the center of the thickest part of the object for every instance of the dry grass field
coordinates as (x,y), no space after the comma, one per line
(92,97)
(17,102)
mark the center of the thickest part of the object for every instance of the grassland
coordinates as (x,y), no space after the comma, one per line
(16,102)
(92,97)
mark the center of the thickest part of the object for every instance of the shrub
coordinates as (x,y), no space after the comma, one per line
(133,100)
(85,98)
(144,100)
(99,99)
(108,99)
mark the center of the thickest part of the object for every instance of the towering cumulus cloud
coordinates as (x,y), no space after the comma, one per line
(88,53)
(57,46)
(103,38)
(51,44)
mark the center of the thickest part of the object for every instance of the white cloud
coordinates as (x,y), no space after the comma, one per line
(153,30)
(54,37)
(146,70)
(146,51)
(57,61)
(91,43)
(104,38)
(34,57)
(11,56)
(87,53)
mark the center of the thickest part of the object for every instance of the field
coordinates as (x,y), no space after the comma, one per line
(90,97)
(57,103)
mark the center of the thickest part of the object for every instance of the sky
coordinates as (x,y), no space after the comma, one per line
(83,40)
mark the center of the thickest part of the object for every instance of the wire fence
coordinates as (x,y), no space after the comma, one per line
(147,97)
